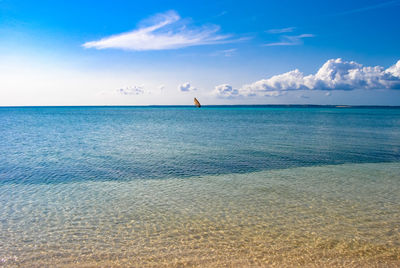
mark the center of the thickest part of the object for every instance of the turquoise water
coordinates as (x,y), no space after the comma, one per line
(241,186)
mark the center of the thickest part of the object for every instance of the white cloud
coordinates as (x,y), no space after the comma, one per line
(394,70)
(282,30)
(123,92)
(225,91)
(164,31)
(292,80)
(290,40)
(335,74)
(132,90)
(186,87)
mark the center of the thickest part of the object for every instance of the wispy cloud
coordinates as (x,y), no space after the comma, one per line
(371,7)
(335,74)
(163,31)
(223,13)
(290,40)
(226,52)
(282,30)
(124,91)
(132,90)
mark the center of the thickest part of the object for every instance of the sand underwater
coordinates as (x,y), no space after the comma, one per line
(86,188)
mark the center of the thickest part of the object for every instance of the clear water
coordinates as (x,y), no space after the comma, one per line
(216,186)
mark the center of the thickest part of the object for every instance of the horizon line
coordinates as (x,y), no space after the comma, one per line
(209,105)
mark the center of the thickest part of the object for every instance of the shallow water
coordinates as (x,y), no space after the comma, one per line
(300,192)
(333,215)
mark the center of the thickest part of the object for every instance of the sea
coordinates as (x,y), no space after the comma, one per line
(217,186)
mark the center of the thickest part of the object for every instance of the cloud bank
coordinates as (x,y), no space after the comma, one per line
(335,74)
(163,31)
(186,87)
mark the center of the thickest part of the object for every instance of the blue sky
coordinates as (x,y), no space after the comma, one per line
(223,52)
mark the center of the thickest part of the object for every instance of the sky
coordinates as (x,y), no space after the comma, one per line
(222,52)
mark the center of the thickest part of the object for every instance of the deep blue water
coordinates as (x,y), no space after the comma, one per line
(64,144)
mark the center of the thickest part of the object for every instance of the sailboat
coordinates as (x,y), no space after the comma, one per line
(197,103)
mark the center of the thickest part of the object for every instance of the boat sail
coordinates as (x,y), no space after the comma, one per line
(197,103)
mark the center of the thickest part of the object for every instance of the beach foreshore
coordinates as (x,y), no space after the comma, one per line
(326,216)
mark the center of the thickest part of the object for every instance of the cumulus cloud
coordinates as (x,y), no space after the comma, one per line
(186,87)
(163,31)
(335,74)
(226,91)
(394,70)
(290,40)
